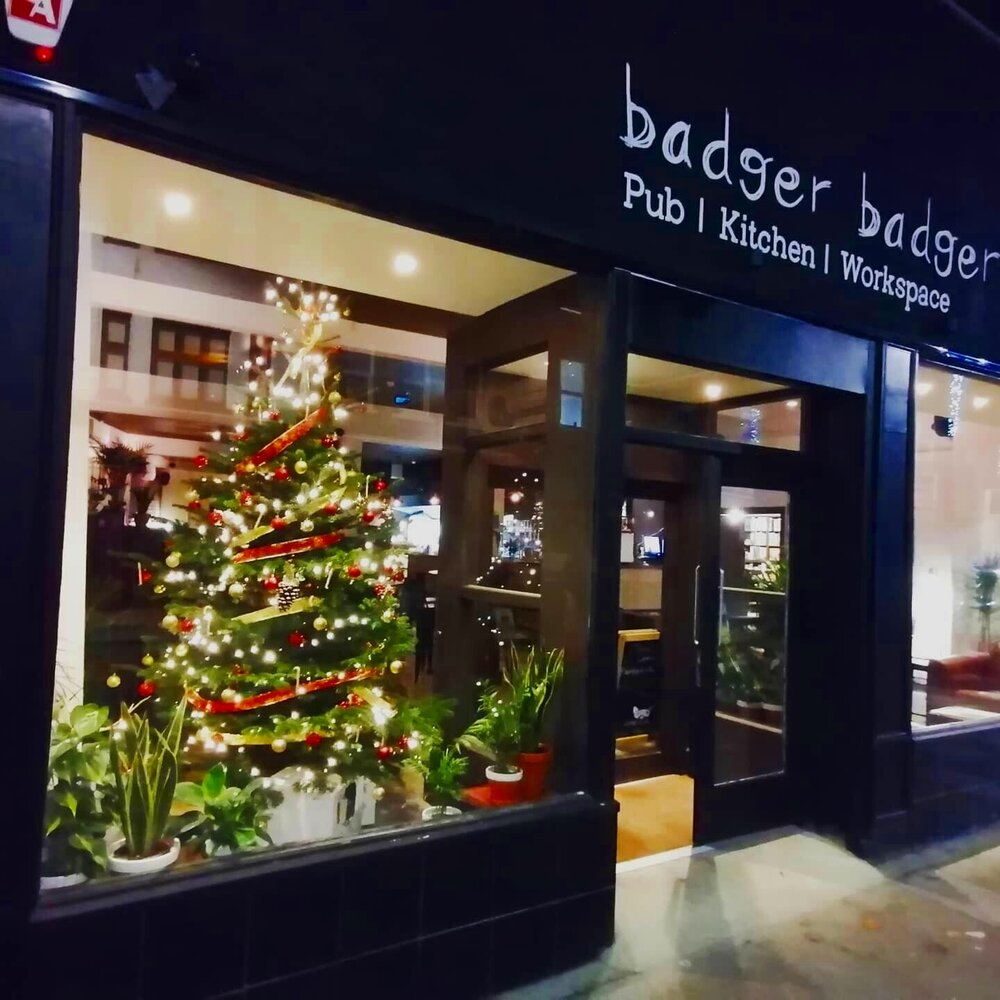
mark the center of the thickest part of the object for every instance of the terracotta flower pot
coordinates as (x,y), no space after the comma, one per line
(536,772)
(505,789)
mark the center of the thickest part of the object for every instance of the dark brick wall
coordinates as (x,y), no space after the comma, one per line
(463,911)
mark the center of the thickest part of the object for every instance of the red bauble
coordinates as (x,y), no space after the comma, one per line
(313,739)
(368,516)
(246,498)
(185,625)
(200,462)
(146,688)
(214,517)
(399,576)
(238,670)
(281,473)
(274,415)
(328,441)
(354,572)
(277,523)
(271,583)
(296,638)
(380,589)
(194,505)
(383,752)
(144,576)
(380,485)
(331,508)
(403,743)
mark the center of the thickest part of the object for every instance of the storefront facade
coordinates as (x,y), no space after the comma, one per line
(793,217)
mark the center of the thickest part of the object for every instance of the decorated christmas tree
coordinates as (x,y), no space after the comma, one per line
(282,614)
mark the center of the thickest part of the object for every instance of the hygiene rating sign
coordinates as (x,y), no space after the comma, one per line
(37,22)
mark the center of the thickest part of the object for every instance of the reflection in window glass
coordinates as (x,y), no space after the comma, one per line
(513,394)
(667,396)
(251,551)
(956,630)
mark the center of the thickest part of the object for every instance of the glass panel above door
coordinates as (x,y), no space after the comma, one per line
(751,665)
(667,396)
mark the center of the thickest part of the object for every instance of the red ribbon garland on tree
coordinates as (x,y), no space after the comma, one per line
(284,440)
(293,547)
(213,706)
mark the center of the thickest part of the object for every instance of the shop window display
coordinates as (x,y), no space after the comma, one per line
(247,618)
(956,542)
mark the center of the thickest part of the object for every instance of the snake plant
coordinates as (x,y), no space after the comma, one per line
(144,763)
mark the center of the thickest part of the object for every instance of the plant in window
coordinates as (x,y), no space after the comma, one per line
(144,764)
(532,678)
(77,807)
(496,735)
(229,817)
(984,589)
(443,769)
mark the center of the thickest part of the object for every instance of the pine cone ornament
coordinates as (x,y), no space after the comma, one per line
(289,590)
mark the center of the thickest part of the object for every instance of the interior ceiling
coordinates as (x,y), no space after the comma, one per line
(978,399)
(657,379)
(249,225)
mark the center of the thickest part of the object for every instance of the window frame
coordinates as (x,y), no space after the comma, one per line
(109,347)
(181,359)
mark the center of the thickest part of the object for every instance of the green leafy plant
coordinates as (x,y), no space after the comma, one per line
(77,807)
(531,679)
(229,817)
(985,574)
(144,764)
(119,457)
(496,733)
(771,576)
(443,769)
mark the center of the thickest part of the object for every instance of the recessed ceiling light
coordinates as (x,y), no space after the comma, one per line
(405,263)
(177,204)
(792,404)
(978,402)
(713,390)
(650,513)
(923,388)
(735,516)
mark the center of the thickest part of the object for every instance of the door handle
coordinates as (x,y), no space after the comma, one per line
(722,587)
(694,615)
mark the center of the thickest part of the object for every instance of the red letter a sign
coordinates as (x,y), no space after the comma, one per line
(39,22)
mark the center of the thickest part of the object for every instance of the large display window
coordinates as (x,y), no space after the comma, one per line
(249,637)
(956,541)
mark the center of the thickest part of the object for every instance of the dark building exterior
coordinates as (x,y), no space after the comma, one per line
(801,197)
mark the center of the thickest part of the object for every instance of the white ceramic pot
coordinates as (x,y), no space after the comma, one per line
(439,812)
(503,777)
(62,881)
(142,866)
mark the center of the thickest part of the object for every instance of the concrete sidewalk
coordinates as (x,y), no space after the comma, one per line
(793,915)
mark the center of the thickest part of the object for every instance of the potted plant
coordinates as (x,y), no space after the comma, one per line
(532,678)
(984,589)
(496,735)
(77,806)
(443,769)
(142,498)
(119,461)
(227,817)
(144,764)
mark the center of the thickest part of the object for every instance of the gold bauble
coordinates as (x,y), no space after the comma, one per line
(279,745)
(307,525)
(192,495)
(159,589)
(228,694)
(388,615)
(236,590)
(147,660)
(378,792)
(173,560)
(335,397)
(249,467)
(301,466)
(113,680)
(181,649)
(396,666)
(169,622)
(320,624)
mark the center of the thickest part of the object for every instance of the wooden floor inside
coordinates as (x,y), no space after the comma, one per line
(656,815)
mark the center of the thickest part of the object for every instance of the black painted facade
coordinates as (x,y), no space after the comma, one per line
(508,134)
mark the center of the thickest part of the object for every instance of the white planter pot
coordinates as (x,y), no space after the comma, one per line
(142,866)
(502,777)
(62,881)
(439,812)
(307,816)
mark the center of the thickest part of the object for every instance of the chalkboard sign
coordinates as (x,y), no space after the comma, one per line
(639,673)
